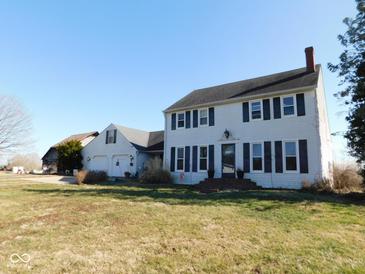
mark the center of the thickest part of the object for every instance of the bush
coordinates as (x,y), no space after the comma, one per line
(154,174)
(127,174)
(91,177)
(69,156)
(346,178)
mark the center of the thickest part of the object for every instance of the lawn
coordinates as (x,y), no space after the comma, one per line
(140,229)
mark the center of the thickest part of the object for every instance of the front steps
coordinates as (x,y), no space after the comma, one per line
(218,184)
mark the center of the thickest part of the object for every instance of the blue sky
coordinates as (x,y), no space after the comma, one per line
(77,65)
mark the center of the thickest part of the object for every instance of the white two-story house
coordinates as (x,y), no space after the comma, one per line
(274,128)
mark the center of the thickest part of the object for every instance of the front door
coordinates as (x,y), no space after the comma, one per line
(228,160)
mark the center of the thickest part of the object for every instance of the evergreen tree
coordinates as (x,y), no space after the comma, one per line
(69,156)
(351,70)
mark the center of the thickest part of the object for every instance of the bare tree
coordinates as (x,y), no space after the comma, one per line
(15,125)
(28,161)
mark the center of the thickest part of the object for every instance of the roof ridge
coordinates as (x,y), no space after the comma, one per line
(254,78)
(262,85)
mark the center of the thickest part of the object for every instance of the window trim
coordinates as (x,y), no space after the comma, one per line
(262,157)
(294,105)
(177,158)
(261,110)
(296,155)
(203,170)
(207,124)
(177,120)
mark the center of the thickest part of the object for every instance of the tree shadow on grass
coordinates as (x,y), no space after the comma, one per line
(186,195)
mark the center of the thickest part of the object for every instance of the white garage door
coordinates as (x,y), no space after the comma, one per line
(120,164)
(99,163)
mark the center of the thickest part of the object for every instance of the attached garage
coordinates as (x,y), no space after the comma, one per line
(99,163)
(120,149)
(120,164)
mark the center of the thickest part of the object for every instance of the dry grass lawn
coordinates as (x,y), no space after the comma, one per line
(140,229)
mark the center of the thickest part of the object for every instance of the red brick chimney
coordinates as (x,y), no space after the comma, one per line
(309,56)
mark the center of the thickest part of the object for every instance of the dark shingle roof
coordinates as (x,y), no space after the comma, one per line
(78,137)
(287,80)
(142,140)
(155,138)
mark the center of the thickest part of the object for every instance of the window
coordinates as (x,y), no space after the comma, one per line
(181,120)
(180,159)
(203,117)
(111,137)
(256,110)
(203,158)
(291,156)
(257,157)
(288,106)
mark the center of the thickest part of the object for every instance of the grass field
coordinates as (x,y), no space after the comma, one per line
(138,229)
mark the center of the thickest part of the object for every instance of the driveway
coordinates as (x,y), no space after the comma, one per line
(51,179)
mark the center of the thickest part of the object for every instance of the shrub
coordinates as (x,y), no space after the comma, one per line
(91,177)
(154,174)
(346,178)
(127,174)
(322,185)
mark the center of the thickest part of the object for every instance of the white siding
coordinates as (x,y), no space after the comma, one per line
(324,131)
(229,116)
(98,148)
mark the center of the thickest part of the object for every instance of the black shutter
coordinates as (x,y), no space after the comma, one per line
(211,157)
(278,157)
(172,159)
(245,112)
(246,157)
(195,159)
(195,118)
(187,159)
(211,117)
(107,137)
(187,118)
(303,156)
(300,104)
(115,136)
(277,108)
(173,121)
(266,105)
(267,157)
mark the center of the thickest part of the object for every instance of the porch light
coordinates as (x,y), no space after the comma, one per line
(131,158)
(226,133)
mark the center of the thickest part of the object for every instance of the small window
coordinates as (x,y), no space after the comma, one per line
(257,157)
(203,114)
(181,120)
(180,158)
(111,139)
(203,158)
(256,110)
(291,156)
(288,105)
